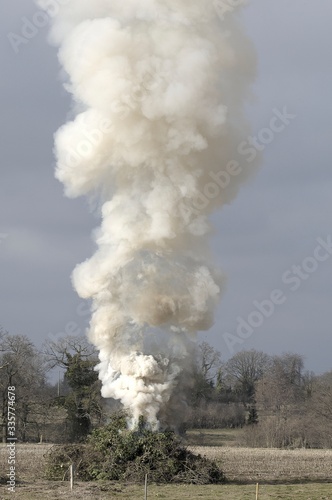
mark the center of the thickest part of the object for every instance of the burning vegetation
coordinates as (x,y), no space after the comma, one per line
(117,453)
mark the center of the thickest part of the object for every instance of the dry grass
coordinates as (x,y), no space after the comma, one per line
(88,491)
(29,460)
(269,465)
(240,464)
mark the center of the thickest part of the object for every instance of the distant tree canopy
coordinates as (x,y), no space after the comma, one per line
(277,401)
(244,369)
(22,367)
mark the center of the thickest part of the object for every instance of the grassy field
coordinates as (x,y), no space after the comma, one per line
(88,491)
(213,437)
(302,474)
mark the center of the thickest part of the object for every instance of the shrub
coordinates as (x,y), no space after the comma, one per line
(116,453)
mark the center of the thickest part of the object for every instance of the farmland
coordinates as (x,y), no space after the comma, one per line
(283,474)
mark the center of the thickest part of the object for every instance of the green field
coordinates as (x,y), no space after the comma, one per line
(85,491)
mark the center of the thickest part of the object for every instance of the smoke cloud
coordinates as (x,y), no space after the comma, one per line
(159,88)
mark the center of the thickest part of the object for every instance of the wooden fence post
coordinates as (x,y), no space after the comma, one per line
(146,487)
(257,491)
(71,470)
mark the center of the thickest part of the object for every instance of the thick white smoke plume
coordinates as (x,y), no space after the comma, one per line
(159,88)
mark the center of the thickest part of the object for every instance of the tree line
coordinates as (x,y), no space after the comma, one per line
(273,398)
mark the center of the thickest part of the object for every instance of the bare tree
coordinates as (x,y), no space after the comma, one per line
(244,369)
(82,401)
(281,402)
(320,411)
(209,361)
(289,366)
(22,367)
(283,386)
(321,402)
(59,353)
(208,364)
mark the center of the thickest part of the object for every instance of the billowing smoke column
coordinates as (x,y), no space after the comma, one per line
(159,88)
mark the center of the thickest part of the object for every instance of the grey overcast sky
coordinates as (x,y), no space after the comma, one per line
(277,221)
